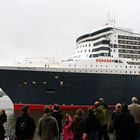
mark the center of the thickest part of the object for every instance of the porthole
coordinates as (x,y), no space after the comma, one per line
(25,83)
(34,83)
(61,83)
(44,83)
(56,77)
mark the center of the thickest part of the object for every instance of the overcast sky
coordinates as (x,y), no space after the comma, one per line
(49,28)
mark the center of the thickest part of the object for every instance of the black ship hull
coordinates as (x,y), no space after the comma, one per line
(66,88)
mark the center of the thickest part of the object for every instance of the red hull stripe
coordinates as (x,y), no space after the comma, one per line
(62,107)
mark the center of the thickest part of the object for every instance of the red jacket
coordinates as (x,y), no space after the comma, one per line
(67,131)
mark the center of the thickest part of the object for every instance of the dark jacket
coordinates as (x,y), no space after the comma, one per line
(124,126)
(25,127)
(91,124)
(78,127)
(58,115)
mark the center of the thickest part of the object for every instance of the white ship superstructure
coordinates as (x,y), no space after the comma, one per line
(107,50)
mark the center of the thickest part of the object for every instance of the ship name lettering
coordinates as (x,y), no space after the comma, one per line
(103,60)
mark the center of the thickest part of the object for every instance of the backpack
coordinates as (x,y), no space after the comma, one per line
(22,126)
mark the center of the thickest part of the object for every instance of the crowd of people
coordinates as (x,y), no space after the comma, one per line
(98,123)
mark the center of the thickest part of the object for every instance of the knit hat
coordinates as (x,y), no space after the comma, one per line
(25,108)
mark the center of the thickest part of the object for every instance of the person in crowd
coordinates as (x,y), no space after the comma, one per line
(116,111)
(91,125)
(47,127)
(67,130)
(78,125)
(25,125)
(134,109)
(102,102)
(103,116)
(58,115)
(3,119)
(124,125)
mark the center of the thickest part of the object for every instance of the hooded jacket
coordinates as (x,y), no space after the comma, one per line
(47,127)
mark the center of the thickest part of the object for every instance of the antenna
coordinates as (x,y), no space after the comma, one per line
(110,21)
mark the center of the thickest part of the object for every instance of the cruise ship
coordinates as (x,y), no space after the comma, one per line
(105,63)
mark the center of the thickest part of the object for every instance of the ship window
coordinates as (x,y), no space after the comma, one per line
(44,83)
(34,83)
(25,83)
(91,65)
(125,66)
(56,77)
(61,83)
(125,71)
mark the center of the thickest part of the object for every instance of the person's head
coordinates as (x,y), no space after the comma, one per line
(134,99)
(96,104)
(124,108)
(118,107)
(46,109)
(25,109)
(56,107)
(101,100)
(79,112)
(90,111)
(66,122)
